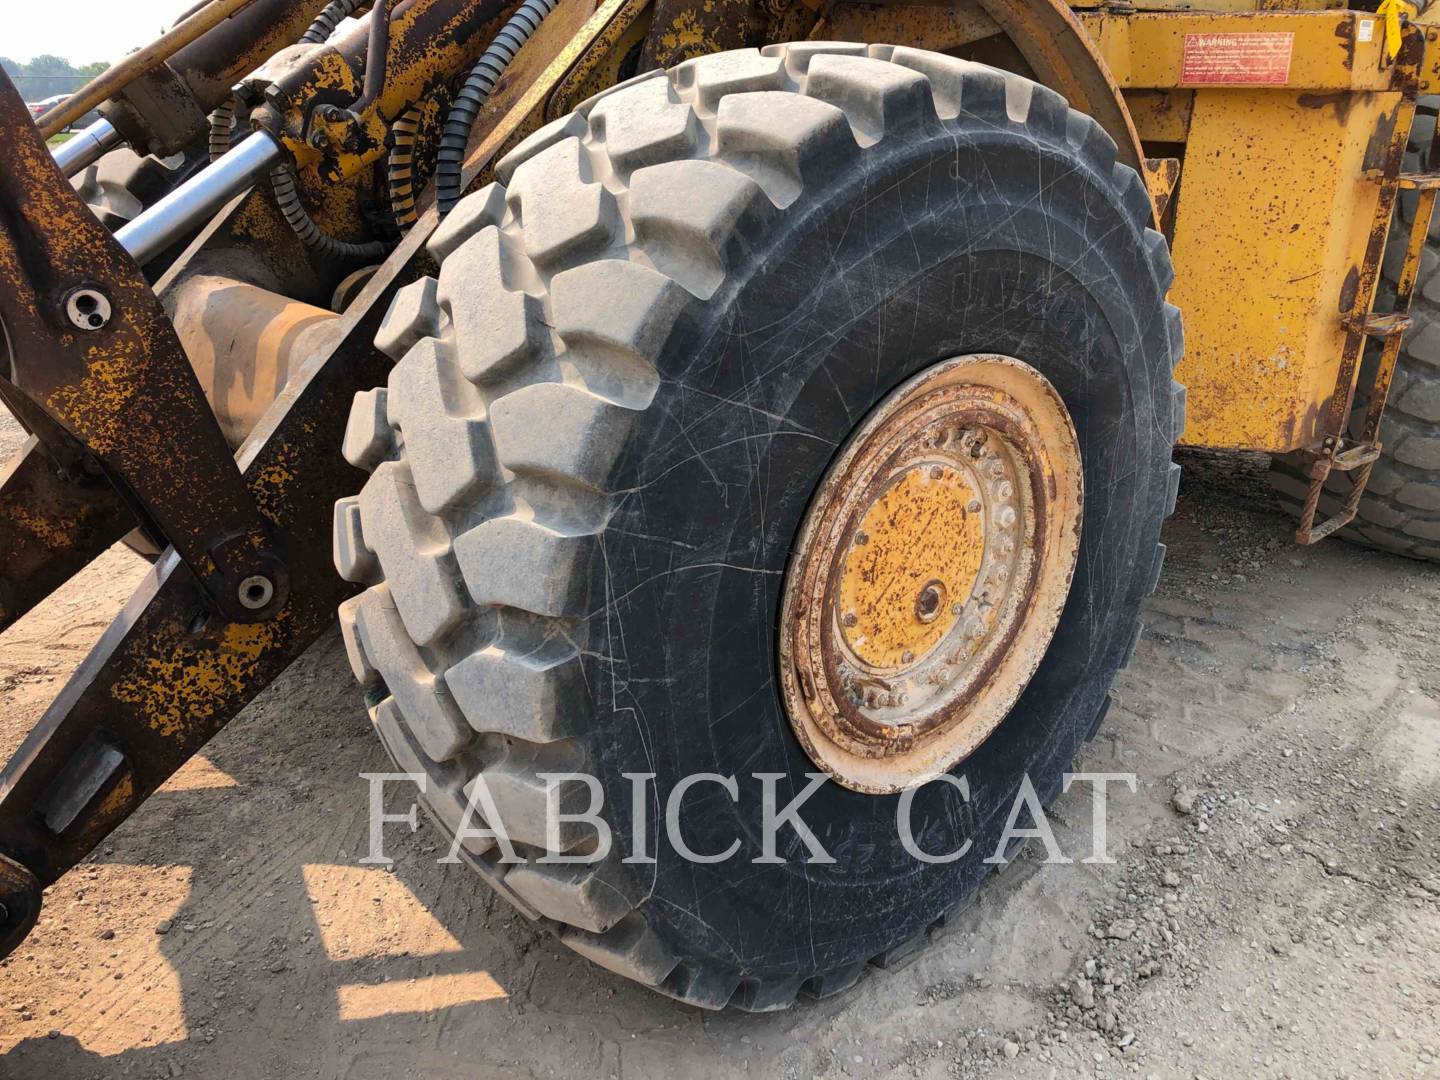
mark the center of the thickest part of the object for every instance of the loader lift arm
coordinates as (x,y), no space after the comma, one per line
(218,618)
(174,667)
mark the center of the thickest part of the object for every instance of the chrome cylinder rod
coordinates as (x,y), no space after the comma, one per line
(86,147)
(199,197)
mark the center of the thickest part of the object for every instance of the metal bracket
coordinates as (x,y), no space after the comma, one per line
(91,348)
(166,676)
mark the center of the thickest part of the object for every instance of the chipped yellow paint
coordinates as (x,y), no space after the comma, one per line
(1268,238)
(94,407)
(55,535)
(178,688)
(118,802)
(687,33)
(1274,208)
(269,483)
(912,563)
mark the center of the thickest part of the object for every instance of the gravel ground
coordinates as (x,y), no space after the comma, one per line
(1274,909)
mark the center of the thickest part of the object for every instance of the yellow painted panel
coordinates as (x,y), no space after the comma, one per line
(1161,115)
(1331,50)
(1274,214)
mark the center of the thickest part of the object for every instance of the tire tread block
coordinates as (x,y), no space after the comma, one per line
(432,714)
(413,553)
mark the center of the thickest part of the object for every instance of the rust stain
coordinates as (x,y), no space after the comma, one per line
(917,547)
(1341,101)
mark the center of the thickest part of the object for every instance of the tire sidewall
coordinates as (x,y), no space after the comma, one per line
(828,308)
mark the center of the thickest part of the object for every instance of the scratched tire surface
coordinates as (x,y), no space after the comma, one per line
(607,417)
(1400,510)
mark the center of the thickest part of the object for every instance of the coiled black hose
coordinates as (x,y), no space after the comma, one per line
(482,78)
(282,179)
(400,170)
(336,12)
(222,130)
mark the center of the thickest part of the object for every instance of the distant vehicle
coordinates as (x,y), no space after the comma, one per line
(40,108)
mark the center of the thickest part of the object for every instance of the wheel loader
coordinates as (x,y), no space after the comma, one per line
(712,398)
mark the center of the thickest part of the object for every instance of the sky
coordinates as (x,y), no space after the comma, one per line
(84,31)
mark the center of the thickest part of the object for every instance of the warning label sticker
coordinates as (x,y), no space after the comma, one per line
(1236,59)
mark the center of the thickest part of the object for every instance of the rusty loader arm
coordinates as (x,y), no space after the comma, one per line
(122,434)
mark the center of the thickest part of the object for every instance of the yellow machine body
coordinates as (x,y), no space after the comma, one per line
(1278,198)
(1266,135)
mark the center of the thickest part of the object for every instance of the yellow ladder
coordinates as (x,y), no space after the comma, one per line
(1338,451)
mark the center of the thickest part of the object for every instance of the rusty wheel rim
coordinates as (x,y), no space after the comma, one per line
(930,572)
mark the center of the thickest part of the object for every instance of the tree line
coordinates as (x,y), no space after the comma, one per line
(45,76)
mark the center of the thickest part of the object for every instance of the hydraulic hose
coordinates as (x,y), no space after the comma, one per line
(282,179)
(336,12)
(481,81)
(222,130)
(400,170)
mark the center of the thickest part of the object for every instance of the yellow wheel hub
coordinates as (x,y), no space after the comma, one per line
(930,572)
(920,543)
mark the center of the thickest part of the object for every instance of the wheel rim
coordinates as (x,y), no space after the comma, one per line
(930,572)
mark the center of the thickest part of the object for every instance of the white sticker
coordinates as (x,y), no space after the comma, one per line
(1367,30)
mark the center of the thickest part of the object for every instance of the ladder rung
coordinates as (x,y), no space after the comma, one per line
(1356,456)
(1418,181)
(1382,326)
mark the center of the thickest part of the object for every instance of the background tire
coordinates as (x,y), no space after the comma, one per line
(609,414)
(1400,510)
(123,184)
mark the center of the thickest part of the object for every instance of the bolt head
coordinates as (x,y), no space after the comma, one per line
(88,309)
(255,592)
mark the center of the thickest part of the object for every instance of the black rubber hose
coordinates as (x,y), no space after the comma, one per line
(336,12)
(400,170)
(222,129)
(482,79)
(377,52)
(310,234)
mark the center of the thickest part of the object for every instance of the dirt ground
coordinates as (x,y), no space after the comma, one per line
(1274,911)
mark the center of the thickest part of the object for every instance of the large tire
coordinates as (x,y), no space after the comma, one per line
(1400,510)
(124,184)
(606,421)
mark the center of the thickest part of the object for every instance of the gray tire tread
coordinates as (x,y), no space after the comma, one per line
(646,182)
